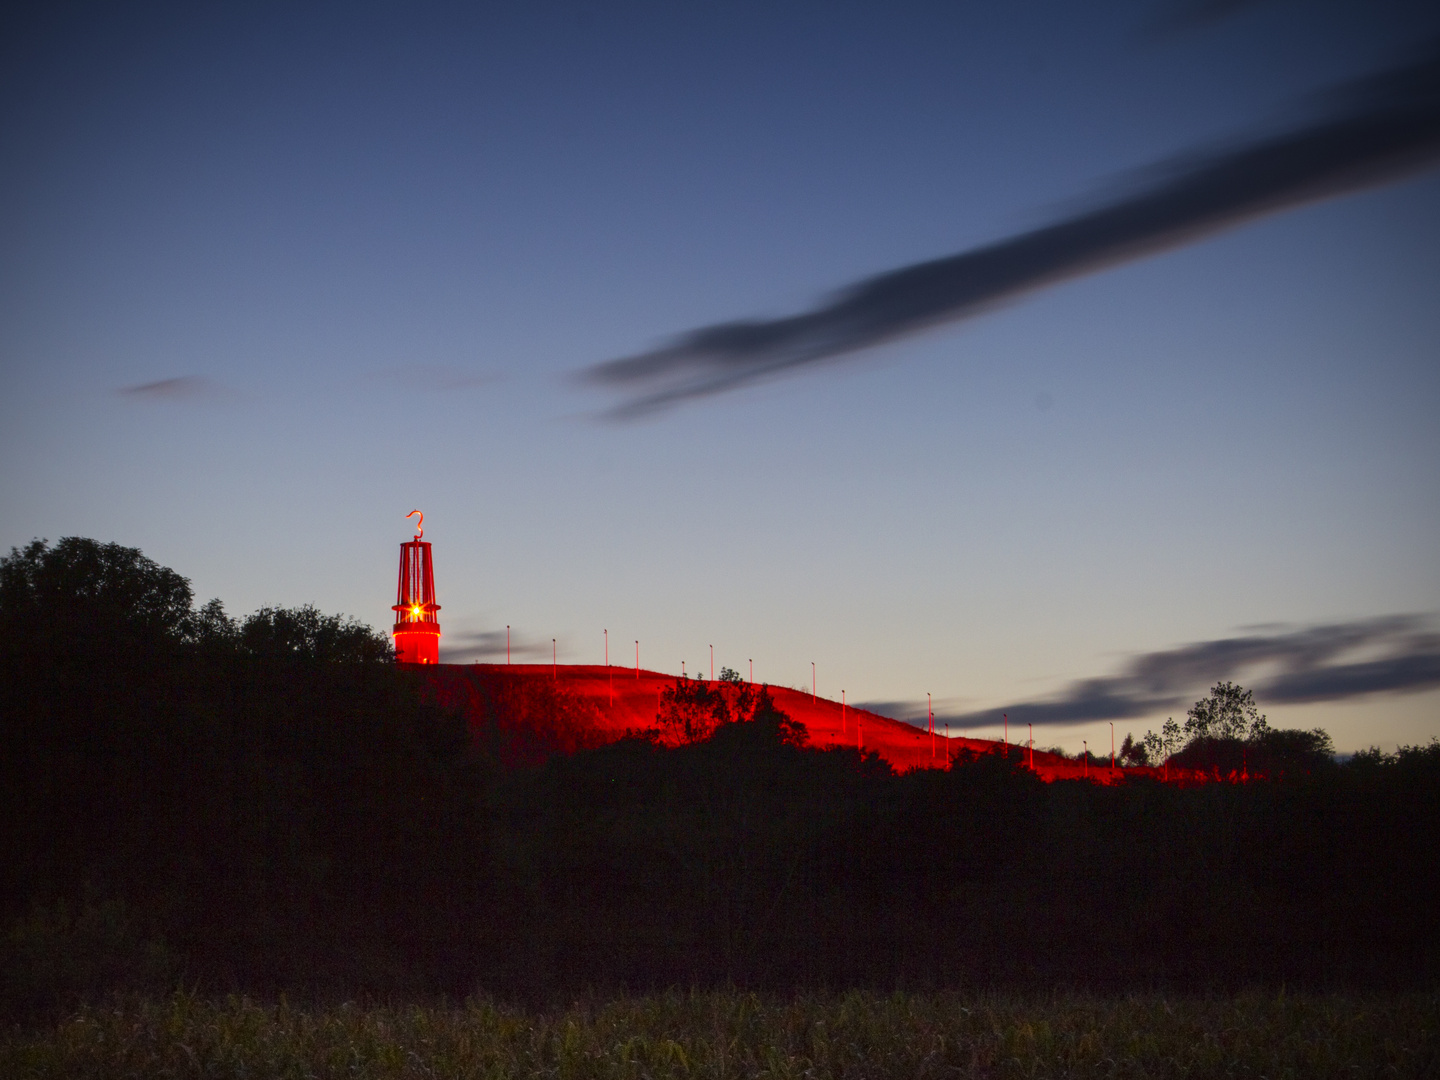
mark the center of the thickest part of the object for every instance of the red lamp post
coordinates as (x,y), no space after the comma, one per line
(417,630)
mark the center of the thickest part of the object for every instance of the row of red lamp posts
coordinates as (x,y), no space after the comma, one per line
(417,638)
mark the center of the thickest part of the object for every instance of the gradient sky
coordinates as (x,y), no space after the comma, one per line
(272,276)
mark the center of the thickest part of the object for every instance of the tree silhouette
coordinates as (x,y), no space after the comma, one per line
(308,634)
(1227,712)
(86,586)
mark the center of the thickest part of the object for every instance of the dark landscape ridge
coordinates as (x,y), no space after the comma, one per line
(271,805)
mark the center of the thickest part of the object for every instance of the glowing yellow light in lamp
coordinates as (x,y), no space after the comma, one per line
(415,611)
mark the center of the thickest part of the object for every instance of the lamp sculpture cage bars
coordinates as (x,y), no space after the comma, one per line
(417,630)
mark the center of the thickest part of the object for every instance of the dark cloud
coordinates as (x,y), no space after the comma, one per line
(1375,131)
(1331,662)
(183,388)
(1417,670)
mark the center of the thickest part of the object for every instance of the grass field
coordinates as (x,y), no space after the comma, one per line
(741,1035)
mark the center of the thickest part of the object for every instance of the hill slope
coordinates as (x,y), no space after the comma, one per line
(622,700)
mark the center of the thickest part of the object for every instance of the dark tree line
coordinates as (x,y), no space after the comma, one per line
(270,803)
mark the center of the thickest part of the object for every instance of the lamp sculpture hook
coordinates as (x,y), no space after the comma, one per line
(419,525)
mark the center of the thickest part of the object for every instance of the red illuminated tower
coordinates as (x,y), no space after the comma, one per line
(417,630)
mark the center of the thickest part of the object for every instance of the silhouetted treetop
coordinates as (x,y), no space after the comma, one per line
(1227,712)
(308,634)
(104,583)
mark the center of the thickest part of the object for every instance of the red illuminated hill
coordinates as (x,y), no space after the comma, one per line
(613,701)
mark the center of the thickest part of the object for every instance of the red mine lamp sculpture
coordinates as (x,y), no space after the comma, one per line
(417,630)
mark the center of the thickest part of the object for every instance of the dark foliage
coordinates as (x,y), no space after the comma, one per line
(1274,752)
(693,710)
(1226,737)
(254,799)
(272,804)
(517,720)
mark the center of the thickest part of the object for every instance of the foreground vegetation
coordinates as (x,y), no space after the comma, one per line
(270,806)
(732,1035)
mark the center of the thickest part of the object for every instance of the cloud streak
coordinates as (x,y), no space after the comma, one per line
(1393,654)
(1376,130)
(183,389)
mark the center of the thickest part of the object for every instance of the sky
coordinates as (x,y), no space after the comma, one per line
(1057,361)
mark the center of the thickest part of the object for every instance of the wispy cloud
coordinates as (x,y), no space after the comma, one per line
(1393,654)
(1375,131)
(183,389)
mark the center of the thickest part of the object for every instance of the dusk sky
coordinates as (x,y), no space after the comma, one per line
(1149,399)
